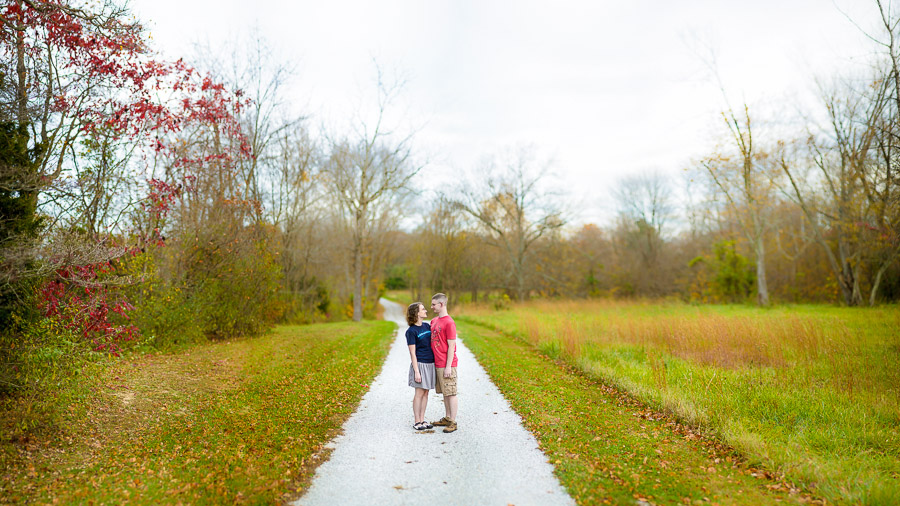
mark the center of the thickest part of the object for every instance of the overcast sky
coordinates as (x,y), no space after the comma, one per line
(605,88)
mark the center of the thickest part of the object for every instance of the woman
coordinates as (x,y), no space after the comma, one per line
(421,370)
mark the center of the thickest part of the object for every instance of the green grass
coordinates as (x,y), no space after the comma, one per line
(399,296)
(608,448)
(235,422)
(811,392)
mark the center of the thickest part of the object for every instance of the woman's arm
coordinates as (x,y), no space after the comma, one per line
(415,363)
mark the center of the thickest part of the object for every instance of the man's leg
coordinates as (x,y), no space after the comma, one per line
(451,405)
(439,389)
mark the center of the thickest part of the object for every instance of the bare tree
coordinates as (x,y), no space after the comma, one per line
(882,190)
(748,187)
(295,188)
(250,64)
(645,197)
(745,180)
(441,253)
(881,185)
(645,206)
(841,156)
(366,173)
(513,209)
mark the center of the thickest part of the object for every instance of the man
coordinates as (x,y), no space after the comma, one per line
(443,344)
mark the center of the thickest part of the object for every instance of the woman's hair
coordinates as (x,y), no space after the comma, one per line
(412,313)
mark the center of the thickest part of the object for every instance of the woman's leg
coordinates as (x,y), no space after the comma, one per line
(423,403)
(419,402)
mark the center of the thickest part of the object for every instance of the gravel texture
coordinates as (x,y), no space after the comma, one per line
(380,459)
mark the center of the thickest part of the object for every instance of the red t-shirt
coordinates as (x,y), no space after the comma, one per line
(443,329)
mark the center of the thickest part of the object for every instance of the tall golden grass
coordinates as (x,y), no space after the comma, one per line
(813,391)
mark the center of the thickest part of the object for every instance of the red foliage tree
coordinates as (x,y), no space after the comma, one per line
(80,68)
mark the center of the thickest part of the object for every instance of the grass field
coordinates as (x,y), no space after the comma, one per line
(236,422)
(608,448)
(810,392)
(399,296)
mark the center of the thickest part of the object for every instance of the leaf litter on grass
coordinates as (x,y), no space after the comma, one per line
(241,421)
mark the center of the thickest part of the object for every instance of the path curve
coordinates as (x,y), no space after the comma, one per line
(380,459)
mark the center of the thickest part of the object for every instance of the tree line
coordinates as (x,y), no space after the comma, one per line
(802,207)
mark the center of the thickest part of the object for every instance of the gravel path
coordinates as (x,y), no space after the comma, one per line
(380,459)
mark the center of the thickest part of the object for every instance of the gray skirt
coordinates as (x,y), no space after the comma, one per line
(427,373)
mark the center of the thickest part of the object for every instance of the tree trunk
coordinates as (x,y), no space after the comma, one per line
(846,292)
(877,282)
(520,285)
(357,281)
(847,279)
(857,292)
(519,273)
(762,287)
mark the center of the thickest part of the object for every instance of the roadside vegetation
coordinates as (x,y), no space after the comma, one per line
(243,421)
(809,392)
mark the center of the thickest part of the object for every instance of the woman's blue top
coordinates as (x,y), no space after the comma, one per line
(420,335)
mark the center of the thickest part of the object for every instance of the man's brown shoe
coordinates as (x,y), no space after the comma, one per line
(450,428)
(443,422)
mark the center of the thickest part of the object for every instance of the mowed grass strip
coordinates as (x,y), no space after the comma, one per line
(235,422)
(811,392)
(608,448)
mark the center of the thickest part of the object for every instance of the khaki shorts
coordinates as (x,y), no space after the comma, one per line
(446,386)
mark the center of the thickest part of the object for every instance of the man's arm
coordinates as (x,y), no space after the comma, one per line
(415,363)
(451,349)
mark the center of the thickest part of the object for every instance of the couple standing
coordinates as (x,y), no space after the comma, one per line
(431,347)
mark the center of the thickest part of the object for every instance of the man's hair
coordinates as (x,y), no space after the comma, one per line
(440,298)
(412,313)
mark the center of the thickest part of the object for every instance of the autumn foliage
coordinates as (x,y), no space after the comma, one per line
(99,150)
(79,299)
